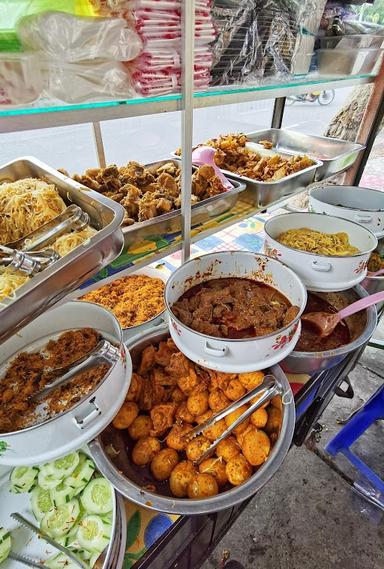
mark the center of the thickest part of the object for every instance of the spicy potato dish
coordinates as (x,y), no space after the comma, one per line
(168,396)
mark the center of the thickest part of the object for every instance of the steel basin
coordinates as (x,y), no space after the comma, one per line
(131,482)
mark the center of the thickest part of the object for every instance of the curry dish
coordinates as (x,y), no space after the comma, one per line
(234,308)
(133,300)
(26,375)
(146,193)
(310,339)
(233,155)
(168,396)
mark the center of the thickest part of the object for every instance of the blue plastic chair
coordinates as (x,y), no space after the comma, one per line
(372,411)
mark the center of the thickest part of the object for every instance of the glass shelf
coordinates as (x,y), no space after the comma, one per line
(52,113)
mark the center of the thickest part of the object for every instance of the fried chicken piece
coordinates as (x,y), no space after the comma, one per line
(164,353)
(163,205)
(162,418)
(169,184)
(147,359)
(160,377)
(178,366)
(135,388)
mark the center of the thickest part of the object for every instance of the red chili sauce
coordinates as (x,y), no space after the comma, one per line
(234,308)
(310,340)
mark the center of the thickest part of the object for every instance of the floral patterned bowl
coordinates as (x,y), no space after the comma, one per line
(228,355)
(321,273)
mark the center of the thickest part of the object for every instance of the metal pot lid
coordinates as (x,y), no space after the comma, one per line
(68,430)
(131,481)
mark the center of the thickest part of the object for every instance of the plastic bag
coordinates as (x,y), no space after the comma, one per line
(260,38)
(88,81)
(21,81)
(73,38)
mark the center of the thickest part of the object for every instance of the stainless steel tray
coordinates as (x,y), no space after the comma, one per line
(66,274)
(336,155)
(171,222)
(263,194)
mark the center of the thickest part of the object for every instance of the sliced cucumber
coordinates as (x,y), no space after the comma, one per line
(23,478)
(60,561)
(93,559)
(5,544)
(62,494)
(93,535)
(63,467)
(41,502)
(46,480)
(59,521)
(81,475)
(97,497)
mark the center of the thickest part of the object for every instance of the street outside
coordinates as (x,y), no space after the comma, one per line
(150,138)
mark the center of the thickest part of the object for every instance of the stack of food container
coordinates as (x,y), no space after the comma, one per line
(158,70)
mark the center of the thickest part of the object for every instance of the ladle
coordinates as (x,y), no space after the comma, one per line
(326,323)
(376,273)
(205,155)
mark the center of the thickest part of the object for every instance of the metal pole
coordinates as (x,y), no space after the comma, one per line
(98,138)
(278,112)
(188,42)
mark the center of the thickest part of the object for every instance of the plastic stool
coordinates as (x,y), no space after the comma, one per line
(356,426)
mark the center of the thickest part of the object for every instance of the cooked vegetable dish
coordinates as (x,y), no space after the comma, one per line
(306,239)
(146,193)
(310,340)
(133,300)
(28,373)
(168,396)
(233,155)
(234,308)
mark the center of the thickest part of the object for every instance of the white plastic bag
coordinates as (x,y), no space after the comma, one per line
(88,81)
(72,38)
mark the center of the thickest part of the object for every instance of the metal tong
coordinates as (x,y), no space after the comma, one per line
(72,218)
(268,389)
(29,562)
(104,351)
(29,263)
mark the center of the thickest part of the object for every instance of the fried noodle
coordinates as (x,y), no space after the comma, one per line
(312,241)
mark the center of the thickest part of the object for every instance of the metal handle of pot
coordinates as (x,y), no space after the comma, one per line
(321,266)
(363,218)
(215,352)
(82,422)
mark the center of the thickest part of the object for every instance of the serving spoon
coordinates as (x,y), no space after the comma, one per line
(205,155)
(326,323)
(376,273)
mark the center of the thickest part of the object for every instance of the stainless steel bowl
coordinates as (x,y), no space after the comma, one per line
(361,327)
(109,451)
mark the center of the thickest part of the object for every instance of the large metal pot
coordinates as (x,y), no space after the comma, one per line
(109,451)
(321,273)
(362,205)
(361,326)
(67,431)
(223,354)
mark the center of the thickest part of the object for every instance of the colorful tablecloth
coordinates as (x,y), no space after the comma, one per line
(144,528)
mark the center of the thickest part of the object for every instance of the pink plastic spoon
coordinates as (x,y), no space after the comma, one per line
(376,273)
(205,155)
(326,323)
